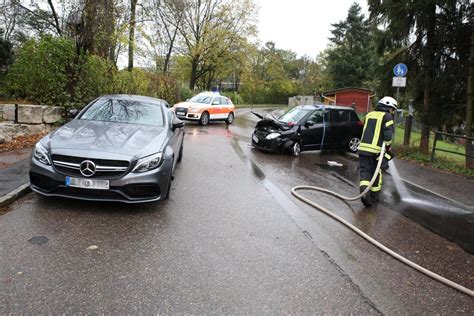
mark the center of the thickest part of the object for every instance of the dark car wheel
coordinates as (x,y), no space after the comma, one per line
(353,144)
(204,120)
(296,149)
(230,118)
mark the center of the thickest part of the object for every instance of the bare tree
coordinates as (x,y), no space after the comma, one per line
(9,13)
(209,29)
(165,17)
(131,36)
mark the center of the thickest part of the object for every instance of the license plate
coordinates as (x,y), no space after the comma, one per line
(255,138)
(87,183)
(180,113)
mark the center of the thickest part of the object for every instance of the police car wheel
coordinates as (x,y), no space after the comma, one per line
(204,120)
(230,118)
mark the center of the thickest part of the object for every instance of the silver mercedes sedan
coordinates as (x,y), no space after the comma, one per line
(121,148)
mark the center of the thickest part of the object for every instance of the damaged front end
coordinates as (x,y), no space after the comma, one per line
(273,136)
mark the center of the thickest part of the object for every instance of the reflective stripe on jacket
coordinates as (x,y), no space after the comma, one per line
(378,127)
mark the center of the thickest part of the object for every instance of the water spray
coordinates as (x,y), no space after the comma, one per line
(379,245)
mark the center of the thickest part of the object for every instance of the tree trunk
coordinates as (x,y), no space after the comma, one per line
(428,70)
(192,80)
(166,66)
(470,99)
(131,36)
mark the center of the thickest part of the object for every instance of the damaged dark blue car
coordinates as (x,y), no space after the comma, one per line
(309,127)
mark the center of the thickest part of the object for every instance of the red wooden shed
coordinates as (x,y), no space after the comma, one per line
(358,97)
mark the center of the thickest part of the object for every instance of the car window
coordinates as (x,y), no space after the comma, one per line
(201,99)
(354,116)
(318,117)
(124,111)
(293,116)
(216,101)
(224,101)
(338,116)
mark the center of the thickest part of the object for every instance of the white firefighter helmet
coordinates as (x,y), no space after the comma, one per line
(388,101)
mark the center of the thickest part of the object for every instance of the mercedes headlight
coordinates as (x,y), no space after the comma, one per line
(273,135)
(148,163)
(41,154)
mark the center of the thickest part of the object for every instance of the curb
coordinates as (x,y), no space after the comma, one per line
(14,195)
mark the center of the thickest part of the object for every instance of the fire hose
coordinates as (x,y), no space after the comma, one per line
(379,245)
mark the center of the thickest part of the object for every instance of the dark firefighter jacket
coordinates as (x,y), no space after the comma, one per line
(378,128)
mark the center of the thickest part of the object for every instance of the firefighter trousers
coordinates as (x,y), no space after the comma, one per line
(367,165)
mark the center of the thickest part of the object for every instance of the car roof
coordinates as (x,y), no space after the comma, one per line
(210,94)
(320,106)
(132,97)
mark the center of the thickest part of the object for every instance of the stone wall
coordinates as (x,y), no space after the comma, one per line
(27,120)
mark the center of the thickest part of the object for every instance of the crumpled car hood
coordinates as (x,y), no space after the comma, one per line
(271,125)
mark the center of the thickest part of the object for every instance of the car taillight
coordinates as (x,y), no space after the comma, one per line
(359,123)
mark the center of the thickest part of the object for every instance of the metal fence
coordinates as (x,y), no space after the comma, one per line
(438,136)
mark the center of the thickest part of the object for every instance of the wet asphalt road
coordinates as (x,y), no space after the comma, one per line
(231,239)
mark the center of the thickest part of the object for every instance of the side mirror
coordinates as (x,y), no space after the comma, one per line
(72,113)
(177,123)
(187,100)
(309,123)
(215,102)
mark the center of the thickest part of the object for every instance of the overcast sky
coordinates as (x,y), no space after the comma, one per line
(301,25)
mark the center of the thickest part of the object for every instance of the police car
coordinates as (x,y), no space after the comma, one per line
(205,107)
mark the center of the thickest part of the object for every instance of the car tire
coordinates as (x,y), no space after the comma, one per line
(353,144)
(204,120)
(230,118)
(180,155)
(295,149)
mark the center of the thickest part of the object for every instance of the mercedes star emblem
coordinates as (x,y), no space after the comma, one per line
(87,168)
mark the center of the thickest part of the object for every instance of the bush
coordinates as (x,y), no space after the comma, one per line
(132,82)
(142,82)
(50,71)
(185,93)
(234,97)
(163,87)
(42,71)
(95,77)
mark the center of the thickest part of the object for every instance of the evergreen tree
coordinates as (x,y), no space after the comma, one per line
(349,60)
(430,36)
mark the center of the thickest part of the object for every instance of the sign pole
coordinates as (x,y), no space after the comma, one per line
(400,71)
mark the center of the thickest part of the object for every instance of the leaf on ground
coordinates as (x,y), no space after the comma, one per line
(21,142)
(93,247)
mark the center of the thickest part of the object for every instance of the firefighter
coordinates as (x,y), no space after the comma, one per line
(378,128)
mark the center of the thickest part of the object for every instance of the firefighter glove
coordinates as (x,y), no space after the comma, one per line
(389,155)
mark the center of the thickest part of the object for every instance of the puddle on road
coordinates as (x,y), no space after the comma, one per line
(348,174)
(38,240)
(277,194)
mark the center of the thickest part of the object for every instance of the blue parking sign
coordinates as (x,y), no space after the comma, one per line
(400,70)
